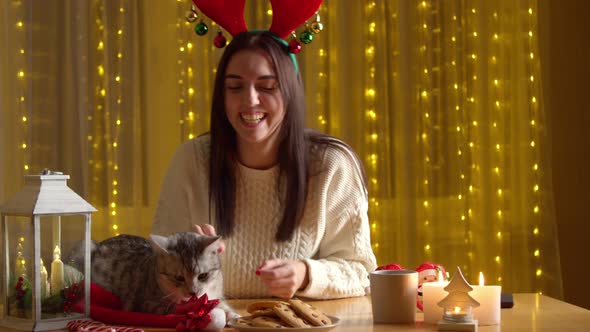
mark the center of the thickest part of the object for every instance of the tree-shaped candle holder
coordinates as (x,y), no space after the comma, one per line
(458,306)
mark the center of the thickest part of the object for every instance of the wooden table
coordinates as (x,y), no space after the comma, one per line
(531,312)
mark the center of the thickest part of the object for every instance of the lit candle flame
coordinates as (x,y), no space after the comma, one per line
(481,283)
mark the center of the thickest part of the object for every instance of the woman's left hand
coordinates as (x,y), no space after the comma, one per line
(283,278)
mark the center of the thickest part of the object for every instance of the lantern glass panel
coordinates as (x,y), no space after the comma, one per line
(19,258)
(61,266)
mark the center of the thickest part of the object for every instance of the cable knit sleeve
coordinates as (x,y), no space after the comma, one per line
(344,257)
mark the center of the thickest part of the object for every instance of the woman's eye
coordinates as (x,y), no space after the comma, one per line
(233,87)
(203,276)
(268,88)
(179,278)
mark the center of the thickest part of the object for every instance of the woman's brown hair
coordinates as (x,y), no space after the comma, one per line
(293,153)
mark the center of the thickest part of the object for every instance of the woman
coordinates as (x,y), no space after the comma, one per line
(290,203)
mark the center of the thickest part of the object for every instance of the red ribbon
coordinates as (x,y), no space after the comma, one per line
(189,315)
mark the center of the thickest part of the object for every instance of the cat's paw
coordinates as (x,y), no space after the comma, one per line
(218,320)
(230,314)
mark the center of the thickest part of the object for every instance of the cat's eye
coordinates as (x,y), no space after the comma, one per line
(203,276)
(179,278)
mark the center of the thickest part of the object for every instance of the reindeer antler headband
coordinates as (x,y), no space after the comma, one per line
(287,16)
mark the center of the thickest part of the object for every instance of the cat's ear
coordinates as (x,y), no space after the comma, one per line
(212,243)
(159,243)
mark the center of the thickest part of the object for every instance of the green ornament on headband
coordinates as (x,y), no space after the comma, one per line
(284,43)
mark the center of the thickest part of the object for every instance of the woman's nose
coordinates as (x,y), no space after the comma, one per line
(251,96)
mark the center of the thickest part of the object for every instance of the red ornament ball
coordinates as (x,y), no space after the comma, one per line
(294,46)
(219,40)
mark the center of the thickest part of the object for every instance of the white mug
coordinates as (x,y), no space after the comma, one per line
(393,296)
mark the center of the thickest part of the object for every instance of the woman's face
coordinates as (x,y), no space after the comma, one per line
(253,100)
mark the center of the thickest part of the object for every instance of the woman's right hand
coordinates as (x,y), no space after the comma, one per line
(207,229)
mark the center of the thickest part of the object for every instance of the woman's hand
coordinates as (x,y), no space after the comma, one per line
(207,229)
(283,278)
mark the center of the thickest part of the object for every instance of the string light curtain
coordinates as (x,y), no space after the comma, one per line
(76,101)
(441,100)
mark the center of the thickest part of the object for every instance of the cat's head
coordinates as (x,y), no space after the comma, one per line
(188,264)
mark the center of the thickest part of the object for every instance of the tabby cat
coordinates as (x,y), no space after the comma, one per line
(152,275)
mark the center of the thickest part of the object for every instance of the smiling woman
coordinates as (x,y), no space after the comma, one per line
(291,203)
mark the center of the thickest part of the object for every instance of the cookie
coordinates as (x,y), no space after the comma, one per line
(244,322)
(284,311)
(310,313)
(264,321)
(262,305)
(263,312)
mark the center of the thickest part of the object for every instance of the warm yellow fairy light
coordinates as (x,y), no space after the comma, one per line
(537,253)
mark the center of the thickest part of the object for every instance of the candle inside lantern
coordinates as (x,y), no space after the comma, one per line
(57,272)
(432,293)
(20,268)
(43,280)
(488,313)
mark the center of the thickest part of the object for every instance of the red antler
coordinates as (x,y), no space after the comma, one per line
(229,14)
(287,15)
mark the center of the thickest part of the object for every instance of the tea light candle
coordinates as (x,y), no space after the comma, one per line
(57,272)
(488,313)
(432,293)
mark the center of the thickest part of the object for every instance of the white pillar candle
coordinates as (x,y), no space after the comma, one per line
(488,313)
(43,280)
(432,293)
(57,272)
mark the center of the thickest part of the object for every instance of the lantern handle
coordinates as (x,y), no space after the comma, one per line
(47,171)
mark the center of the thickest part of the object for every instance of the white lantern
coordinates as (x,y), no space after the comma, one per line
(42,225)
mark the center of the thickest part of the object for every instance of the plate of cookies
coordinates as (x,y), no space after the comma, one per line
(293,315)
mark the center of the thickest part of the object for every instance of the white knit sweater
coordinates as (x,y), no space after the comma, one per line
(333,238)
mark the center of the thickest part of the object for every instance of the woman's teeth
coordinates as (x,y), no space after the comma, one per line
(252,117)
